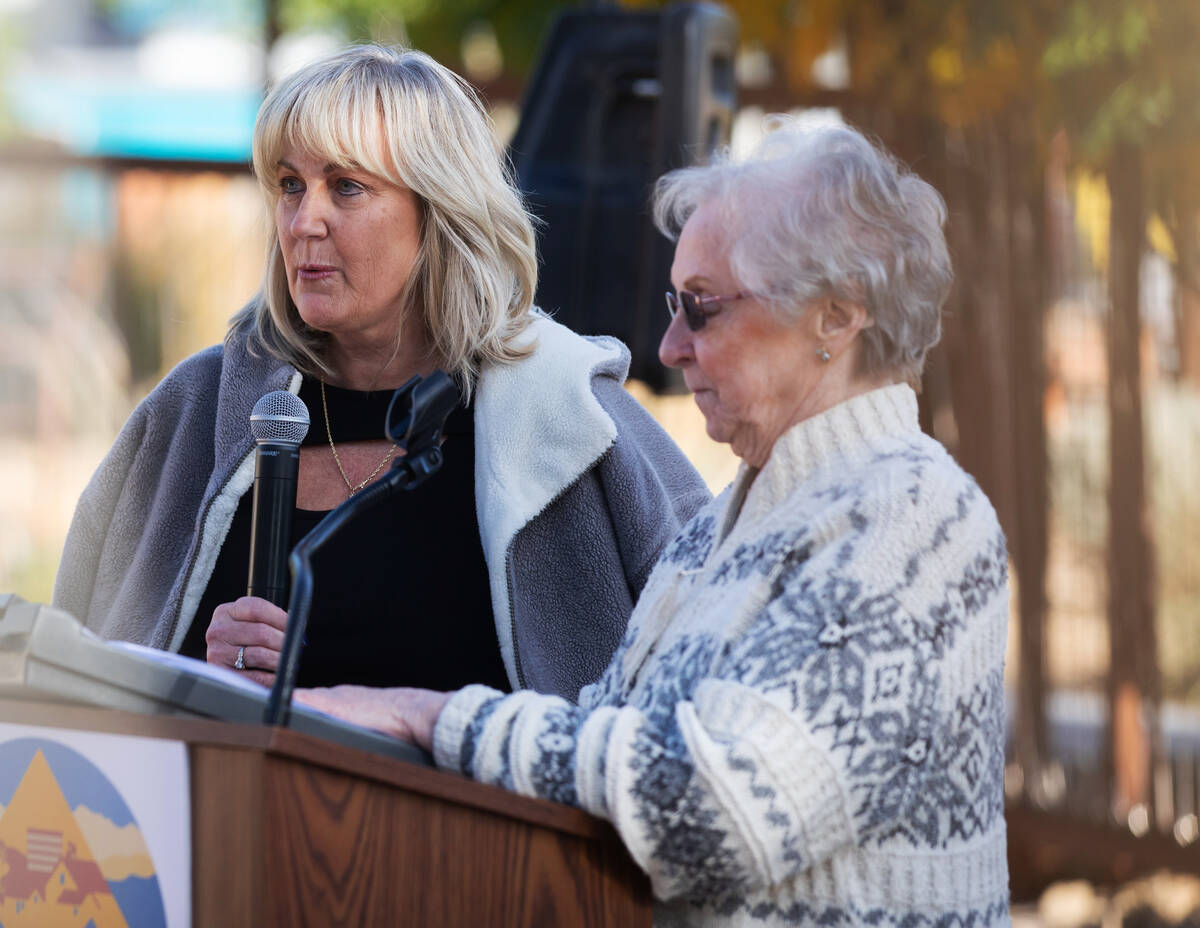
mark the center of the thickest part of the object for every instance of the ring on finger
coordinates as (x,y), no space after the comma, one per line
(240,663)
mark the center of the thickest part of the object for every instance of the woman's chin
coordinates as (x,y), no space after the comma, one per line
(718,429)
(318,315)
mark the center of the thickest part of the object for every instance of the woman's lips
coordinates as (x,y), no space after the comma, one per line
(315,271)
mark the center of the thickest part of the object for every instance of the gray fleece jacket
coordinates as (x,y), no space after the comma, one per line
(577,491)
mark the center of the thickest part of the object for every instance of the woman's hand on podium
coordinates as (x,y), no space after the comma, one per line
(402,712)
(249,623)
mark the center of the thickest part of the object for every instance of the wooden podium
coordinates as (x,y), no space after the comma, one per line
(292,830)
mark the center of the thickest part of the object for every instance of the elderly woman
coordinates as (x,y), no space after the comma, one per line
(399,245)
(804,721)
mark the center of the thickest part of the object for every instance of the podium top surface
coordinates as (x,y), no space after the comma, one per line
(308,749)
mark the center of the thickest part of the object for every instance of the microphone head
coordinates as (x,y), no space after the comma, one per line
(279,416)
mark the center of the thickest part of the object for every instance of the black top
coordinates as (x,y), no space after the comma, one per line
(401,596)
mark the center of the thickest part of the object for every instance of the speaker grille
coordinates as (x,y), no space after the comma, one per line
(279,416)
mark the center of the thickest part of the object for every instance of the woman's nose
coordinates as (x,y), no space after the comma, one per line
(675,349)
(309,220)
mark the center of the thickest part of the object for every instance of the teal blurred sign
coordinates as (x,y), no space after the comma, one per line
(192,124)
(158,79)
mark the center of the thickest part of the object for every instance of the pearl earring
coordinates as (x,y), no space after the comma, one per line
(823,354)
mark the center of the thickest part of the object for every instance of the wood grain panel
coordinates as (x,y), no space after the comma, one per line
(227,843)
(367,853)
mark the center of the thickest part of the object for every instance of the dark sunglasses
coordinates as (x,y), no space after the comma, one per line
(693,306)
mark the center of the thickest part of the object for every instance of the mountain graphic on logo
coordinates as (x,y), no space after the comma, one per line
(48,873)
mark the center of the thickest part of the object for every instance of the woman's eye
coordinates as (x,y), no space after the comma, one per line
(289,185)
(347,187)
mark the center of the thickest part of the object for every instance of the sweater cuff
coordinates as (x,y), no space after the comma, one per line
(453,724)
(801,772)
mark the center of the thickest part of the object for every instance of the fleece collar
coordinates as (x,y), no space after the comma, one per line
(244,379)
(538,428)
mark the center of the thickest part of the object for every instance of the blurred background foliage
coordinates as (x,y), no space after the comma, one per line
(437,27)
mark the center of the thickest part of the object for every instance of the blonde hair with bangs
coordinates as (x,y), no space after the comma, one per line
(402,117)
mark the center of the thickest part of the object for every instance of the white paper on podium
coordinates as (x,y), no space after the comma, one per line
(225,675)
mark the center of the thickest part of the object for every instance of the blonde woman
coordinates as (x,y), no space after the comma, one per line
(399,245)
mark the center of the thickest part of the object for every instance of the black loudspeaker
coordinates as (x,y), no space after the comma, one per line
(618,98)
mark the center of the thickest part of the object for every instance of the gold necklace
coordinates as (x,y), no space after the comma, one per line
(337,459)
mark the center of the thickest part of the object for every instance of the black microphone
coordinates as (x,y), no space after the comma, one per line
(279,423)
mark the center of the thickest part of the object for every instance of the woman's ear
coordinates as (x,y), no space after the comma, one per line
(839,321)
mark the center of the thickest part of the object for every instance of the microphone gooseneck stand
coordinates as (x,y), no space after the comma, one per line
(422,405)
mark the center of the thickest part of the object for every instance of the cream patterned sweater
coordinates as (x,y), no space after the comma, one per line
(804,723)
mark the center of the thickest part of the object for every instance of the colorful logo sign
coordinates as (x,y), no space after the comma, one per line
(71,853)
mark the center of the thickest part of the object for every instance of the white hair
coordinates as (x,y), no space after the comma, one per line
(406,119)
(820,211)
